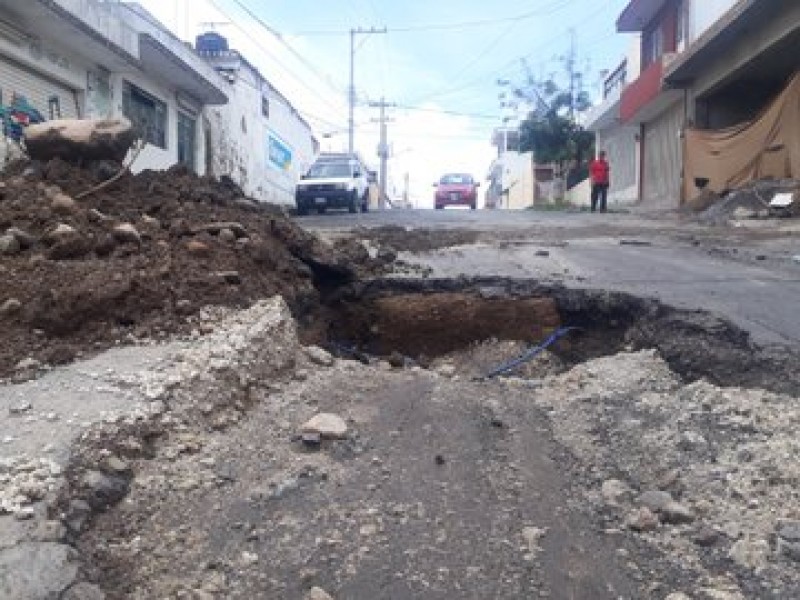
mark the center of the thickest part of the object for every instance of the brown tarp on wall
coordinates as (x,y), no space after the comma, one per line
(767,147)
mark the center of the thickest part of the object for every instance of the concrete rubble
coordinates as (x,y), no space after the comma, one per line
(64,469)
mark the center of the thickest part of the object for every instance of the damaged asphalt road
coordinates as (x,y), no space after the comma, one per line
(745,273)
(643,458)
(443,489)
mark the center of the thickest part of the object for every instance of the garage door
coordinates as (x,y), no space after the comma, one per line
(663,159)
(51,98)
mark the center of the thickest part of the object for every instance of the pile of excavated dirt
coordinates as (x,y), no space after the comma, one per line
(137,259)
(748,202)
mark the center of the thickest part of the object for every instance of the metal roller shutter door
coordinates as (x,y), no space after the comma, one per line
(37,89)
(663,159)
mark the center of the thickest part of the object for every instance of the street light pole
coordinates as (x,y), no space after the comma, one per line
(383,148)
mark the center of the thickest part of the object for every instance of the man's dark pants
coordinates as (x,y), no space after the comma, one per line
(599,193)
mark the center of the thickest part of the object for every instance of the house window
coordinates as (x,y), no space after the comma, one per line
(147,113)
(187,136)
(652,45)
(54,107)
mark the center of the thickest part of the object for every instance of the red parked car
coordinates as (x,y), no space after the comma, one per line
(456,189)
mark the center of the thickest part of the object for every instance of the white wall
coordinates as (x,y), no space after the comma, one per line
(98,17)
(518,178)
(704,13)
(581,194)
(242,153)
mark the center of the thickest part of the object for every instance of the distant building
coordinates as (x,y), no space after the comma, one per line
(515,181)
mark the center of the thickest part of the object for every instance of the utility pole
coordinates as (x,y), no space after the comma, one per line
(571,71)
(352,95)
(383,147)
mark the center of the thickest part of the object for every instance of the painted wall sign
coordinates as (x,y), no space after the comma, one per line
(280,154)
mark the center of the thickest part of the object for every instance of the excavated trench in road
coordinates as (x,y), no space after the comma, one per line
(420,320)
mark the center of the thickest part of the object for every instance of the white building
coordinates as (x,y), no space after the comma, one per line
(92,59)
(259,138)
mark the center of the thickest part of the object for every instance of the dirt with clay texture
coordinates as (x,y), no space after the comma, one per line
(139,258)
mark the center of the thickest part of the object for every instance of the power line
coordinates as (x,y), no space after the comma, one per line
(446,112)
(279,36)
(288,71)
(481,80)
(544,11)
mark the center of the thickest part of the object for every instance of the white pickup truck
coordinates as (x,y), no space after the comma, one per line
(334,181)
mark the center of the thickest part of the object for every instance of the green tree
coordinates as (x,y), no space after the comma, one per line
(552,133)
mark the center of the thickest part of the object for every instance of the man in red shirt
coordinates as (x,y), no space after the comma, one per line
(598,171)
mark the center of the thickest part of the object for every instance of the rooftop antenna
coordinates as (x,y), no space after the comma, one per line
(213,25)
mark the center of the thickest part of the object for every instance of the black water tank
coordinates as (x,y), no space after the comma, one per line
(211,42)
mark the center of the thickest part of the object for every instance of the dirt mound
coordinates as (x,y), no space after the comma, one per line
(748,202)
(138,259)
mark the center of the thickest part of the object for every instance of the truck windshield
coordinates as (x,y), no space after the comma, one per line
(329,169)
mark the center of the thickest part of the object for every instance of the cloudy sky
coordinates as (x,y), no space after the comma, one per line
(439,63)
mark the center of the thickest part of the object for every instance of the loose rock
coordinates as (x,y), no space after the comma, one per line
(103,489)
(127,234)
(642,520)
(316,593)
(198,248)
(9,245)
(216,228)
(229,277)
(10,307)
(327,425)
(319,356)
(63,204)
(615,491)
(676,513)
(25,239)
(227,235)
(59,233)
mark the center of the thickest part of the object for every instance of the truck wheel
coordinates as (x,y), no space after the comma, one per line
(365,203)
(352,206)
(302,211)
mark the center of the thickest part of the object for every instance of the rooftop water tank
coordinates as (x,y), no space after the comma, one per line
(211,42)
